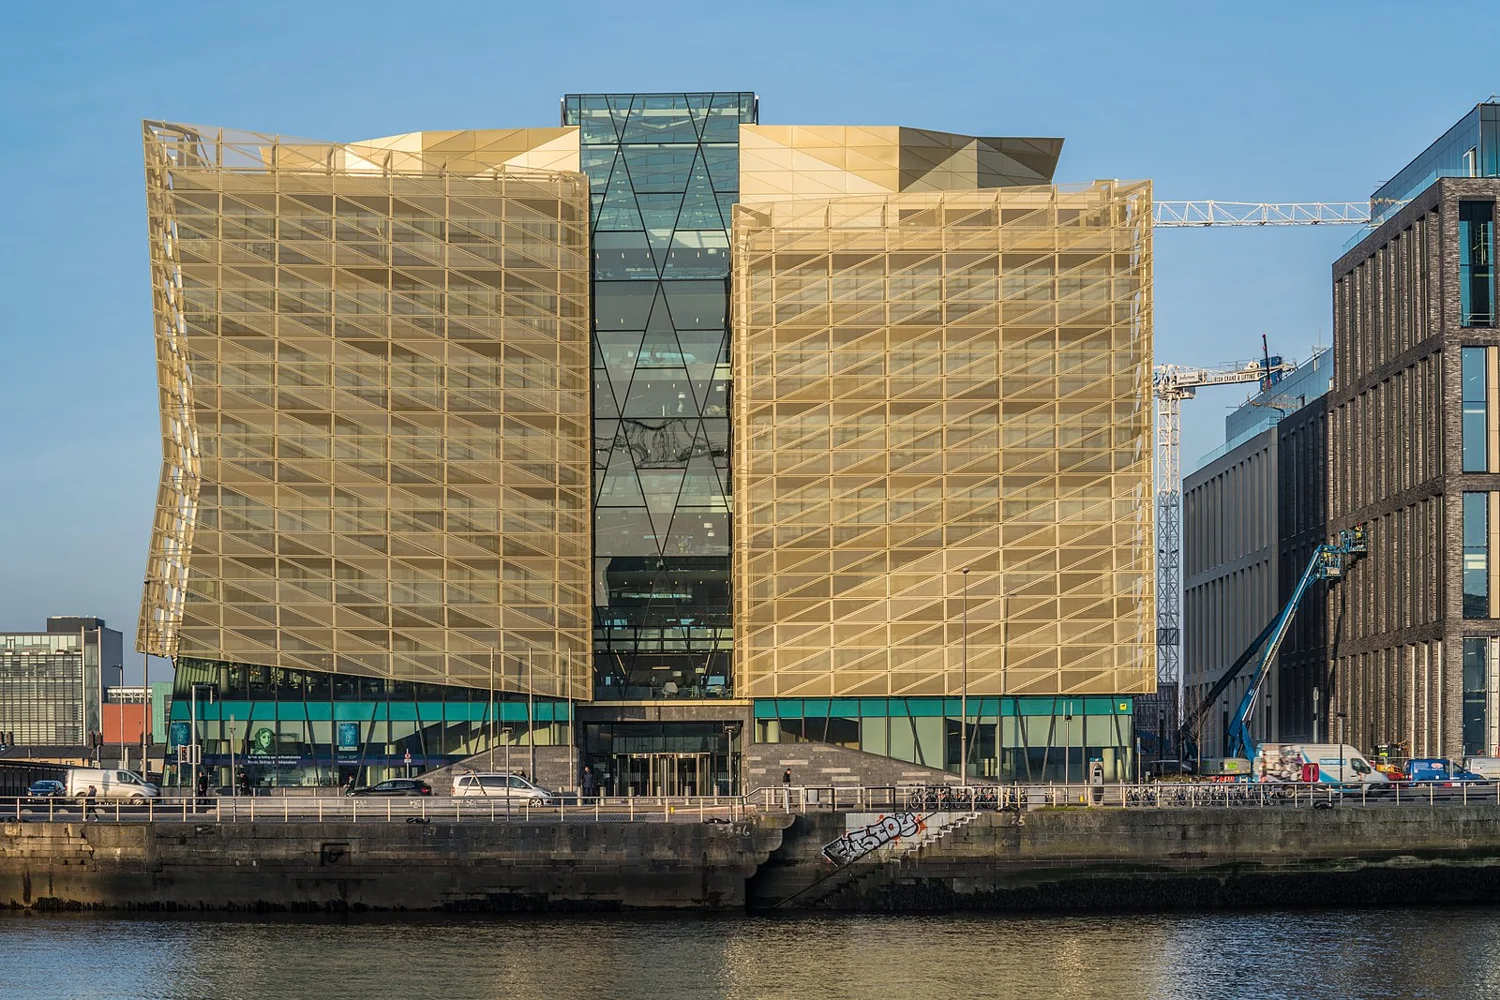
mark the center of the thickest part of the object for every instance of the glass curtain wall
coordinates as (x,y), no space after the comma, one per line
(664,173)
(296,727)
(42,689)
(1010,739)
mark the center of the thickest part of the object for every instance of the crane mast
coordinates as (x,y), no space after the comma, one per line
(1171,384)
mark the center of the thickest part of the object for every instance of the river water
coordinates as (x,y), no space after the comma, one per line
(1253,955)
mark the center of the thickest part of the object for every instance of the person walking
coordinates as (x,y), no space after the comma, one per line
(202,784)
(89,807)
(786,790)
(589,784)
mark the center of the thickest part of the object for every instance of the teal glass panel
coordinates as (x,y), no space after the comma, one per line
(872,707)
(844,708)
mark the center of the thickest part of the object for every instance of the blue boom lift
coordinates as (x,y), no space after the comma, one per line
(1327,563)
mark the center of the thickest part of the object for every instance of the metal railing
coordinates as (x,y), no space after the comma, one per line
(362,809)
(796,799)
(1154,795)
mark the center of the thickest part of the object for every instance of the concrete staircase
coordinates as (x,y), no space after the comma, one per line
(861,875)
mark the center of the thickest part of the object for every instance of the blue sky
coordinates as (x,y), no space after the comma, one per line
(1207,100)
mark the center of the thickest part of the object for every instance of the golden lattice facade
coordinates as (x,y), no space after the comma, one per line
(936,377)
(374,372)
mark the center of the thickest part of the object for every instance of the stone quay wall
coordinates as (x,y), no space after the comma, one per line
(347,866)
(1149,859)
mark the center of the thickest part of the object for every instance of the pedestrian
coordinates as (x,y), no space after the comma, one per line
(786,790)
(523,775)
(202,783)
(88,802)
(786,778)
(244,779)
(589,785)
(349,786)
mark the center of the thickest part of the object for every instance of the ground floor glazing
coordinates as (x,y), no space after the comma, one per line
(1024,738)
(290,728)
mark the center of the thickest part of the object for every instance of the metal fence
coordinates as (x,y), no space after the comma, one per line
(724,809)
(1156,795)
(361,809)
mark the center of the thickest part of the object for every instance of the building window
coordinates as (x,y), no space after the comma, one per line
(1474,696)
(1476,241)
(1476,418)
(1476,555)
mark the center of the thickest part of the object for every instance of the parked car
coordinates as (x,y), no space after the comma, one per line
(395,786)
(510,788)
(46,789)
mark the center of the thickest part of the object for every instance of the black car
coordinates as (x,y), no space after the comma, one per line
(395,786)
(45,789)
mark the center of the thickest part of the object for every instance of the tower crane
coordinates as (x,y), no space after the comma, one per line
(1171,384)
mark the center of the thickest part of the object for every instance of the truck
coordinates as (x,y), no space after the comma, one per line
(107,783)
(1318,763)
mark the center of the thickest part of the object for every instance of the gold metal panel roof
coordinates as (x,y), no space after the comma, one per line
(779,161)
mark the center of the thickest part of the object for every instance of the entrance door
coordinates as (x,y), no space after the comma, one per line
(665,773)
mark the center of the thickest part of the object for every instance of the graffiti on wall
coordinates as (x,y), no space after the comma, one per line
(857,843)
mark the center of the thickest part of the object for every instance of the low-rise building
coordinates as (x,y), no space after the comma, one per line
(52,682)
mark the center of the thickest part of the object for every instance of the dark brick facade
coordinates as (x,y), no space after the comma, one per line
(1395,623)
(1302,525)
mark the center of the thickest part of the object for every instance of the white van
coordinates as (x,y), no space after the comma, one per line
(1338,764)
(1485,767)
(107,783)
(509,788)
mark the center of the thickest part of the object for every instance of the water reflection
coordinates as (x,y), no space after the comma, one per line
(1245,956)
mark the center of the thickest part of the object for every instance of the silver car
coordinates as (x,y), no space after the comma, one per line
(509,788)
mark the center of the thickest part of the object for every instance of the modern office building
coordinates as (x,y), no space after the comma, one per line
(1253,513)
(820,373)
(52,683)
(1414,452)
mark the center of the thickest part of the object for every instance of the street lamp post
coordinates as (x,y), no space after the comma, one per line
(531,710)
(963,697)
(489,708)
(567,682)
(1341,717)
(146,717)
